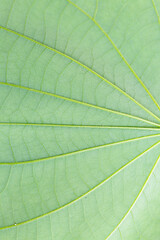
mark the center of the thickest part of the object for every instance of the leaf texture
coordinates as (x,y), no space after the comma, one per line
(79,119)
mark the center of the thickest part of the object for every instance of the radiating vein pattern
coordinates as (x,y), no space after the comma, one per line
(79,120)
(84,66)
(124,59)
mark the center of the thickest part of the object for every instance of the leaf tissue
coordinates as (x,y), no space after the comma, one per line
(79,120)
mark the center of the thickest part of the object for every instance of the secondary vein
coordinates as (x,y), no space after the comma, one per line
(155,8)
(136,199)
(86,67)
(77,126)
(81,151)
(79,102)
(82,196)
(118,51)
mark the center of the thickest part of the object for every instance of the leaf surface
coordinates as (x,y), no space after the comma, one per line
(79,119)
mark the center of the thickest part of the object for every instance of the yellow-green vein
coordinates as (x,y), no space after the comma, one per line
(154,5)
(79,102)
(118,51)
(82,150)
(136,199)
(86,67)
(77,126)
(82,196)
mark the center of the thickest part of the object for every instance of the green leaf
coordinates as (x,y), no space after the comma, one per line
(79,119)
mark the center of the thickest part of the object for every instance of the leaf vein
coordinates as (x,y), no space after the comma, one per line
(78,102)
(81,151)
(86,67)
(82,196)
(136,199)
(118,51)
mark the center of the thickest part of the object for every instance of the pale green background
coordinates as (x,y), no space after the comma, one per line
(79,120)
